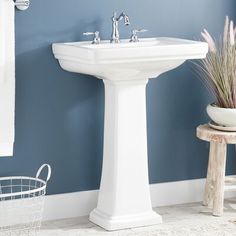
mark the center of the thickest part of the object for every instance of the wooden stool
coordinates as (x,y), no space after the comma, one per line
(216,182)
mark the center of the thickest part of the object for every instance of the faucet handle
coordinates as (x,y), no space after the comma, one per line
(96,34)
(134,36)
(139,30)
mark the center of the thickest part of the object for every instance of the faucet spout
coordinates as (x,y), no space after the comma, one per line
(115,37)
(126,19)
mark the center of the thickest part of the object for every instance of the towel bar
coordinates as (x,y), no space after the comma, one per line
(22,4)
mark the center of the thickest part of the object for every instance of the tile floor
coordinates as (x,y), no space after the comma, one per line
(180,220)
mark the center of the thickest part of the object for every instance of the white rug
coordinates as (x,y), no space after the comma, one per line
(182,220)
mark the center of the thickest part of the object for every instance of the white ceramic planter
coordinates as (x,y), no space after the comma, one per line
(222,116)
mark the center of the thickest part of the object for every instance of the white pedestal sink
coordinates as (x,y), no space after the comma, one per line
(124,197)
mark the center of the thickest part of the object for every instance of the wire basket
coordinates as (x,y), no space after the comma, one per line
(22,203)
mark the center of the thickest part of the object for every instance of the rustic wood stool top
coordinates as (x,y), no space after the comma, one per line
(205,132)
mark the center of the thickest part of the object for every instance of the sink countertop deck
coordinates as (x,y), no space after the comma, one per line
(147,49)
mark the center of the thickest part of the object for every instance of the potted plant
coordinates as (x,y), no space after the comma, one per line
(218,72)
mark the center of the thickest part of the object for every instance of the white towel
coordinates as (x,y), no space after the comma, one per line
(7,77)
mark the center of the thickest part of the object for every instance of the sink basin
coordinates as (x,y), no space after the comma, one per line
(148,57)
(124,197)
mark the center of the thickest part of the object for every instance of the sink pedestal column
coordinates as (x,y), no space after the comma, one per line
(124,197)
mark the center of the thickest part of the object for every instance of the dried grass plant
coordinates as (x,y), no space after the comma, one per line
(218,70)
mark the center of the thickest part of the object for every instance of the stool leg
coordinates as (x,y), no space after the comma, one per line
(220,162)
(209,187)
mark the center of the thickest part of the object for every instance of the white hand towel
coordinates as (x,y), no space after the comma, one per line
(7,77)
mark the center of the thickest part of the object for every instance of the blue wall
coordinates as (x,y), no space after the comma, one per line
(59,115)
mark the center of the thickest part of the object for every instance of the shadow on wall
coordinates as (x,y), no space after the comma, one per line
(180,114)
(58,120)
(172,100)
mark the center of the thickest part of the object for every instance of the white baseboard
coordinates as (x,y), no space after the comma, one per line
(77,204)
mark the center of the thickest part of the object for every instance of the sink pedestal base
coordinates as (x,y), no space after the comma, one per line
(124,198)
(124,222)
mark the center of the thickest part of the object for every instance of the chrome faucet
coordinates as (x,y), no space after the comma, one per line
(115,37)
